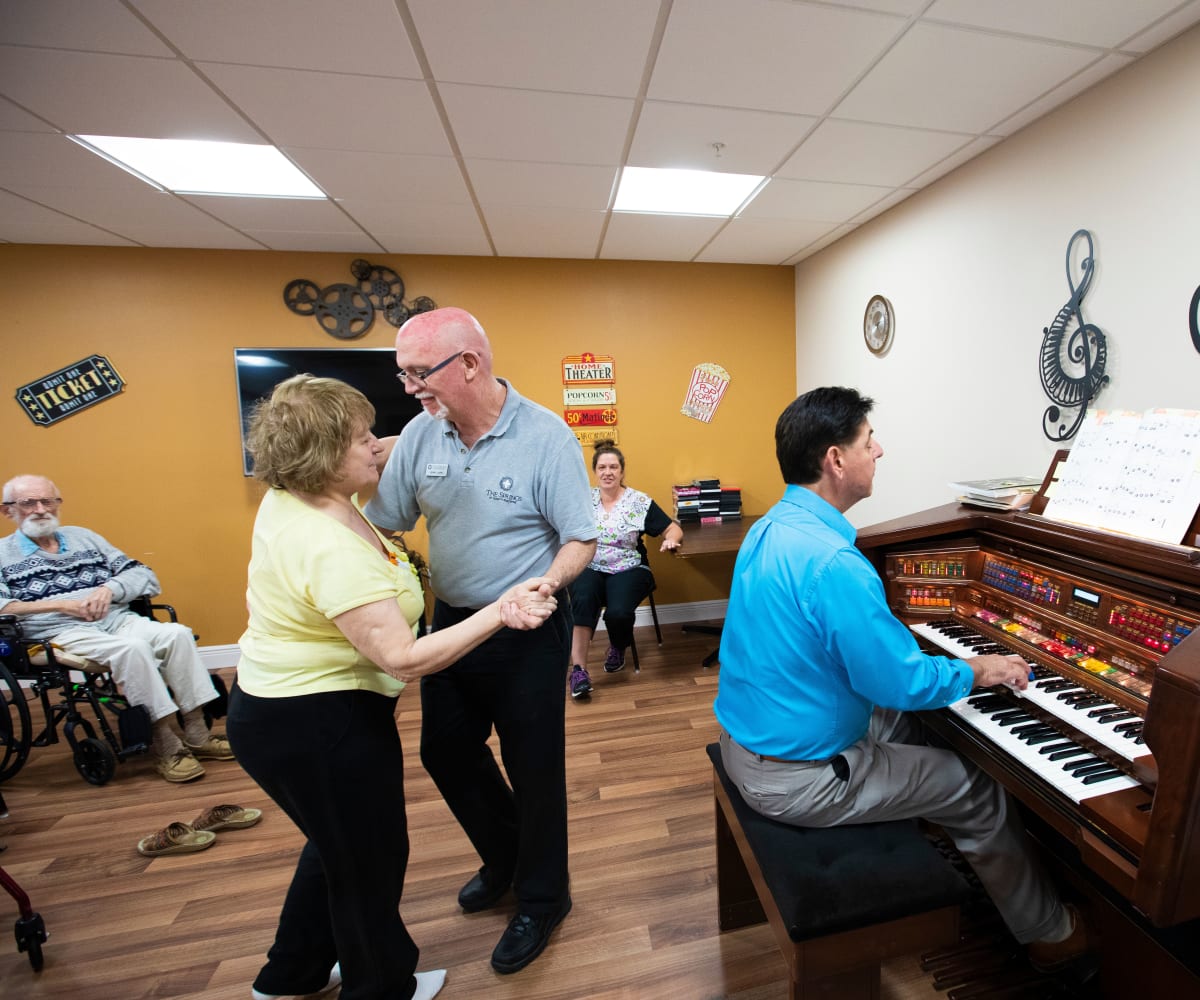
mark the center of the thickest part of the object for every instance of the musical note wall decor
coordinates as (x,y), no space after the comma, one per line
(1072,360)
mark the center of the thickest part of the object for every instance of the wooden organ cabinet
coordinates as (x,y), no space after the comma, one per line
(1103,750)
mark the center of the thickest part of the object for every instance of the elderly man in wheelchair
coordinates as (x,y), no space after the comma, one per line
(69,586)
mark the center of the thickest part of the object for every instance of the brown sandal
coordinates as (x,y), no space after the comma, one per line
(226,817)
(178,838)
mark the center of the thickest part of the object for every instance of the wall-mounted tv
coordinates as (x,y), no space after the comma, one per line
(371,370)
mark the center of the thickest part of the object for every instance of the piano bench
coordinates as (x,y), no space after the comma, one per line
(840,900)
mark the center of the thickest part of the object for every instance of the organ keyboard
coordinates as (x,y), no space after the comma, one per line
(1104,746)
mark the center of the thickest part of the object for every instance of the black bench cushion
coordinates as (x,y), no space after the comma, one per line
(827,880)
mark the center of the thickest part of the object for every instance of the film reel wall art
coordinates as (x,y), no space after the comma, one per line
(347,310)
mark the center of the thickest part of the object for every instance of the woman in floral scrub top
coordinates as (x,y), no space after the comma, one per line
(617,579)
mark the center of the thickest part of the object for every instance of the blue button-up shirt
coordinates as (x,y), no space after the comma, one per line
(810,646)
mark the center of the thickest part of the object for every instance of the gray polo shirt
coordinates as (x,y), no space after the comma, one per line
(497,513)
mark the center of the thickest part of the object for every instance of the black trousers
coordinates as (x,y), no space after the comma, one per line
(618,593)
(515,683)
(333,762)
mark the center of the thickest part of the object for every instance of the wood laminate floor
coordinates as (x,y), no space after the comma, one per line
(643,927)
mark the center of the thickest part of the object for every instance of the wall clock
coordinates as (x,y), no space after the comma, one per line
(879,324)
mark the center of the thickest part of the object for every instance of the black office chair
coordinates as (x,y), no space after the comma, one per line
(637,666)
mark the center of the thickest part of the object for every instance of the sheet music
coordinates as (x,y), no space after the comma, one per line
(1135,473)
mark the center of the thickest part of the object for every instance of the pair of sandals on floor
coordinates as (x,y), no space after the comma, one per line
(186,838)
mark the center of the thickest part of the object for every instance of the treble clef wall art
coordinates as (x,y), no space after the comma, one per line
(1072,360)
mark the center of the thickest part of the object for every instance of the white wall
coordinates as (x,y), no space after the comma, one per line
(974,266)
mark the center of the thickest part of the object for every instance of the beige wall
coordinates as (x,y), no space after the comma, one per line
(157,469)
(974,266)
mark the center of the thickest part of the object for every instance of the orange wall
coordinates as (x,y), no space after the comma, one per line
(157,469)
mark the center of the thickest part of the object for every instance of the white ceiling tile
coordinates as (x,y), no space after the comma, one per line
(383,176)
(761,241)
(956,80)
(136,211)
(791,57)
(13,118)
(48,159)
(1165,29)
(324,110)
(97,25)
(554,128)
(1088,22)
(551,185)
(346,36)
(881,206)
(419,227)
(22,221)
(858,153)
(817,245)
(633,236)
(544,231)
(968,152)
(84,93)
(683,136)
(317,215)
(812,201)
(1060,95)
(319,241)
(579,46)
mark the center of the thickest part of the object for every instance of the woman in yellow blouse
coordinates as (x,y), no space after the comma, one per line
(330,643)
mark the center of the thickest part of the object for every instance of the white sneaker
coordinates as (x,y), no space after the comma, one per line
(335,980)
(429,984)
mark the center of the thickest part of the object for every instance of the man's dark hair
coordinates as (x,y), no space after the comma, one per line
(812,424)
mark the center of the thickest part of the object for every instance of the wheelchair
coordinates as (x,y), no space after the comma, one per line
(84,689)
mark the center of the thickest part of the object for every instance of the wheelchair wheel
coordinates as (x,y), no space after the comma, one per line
(95,760)
(16,733)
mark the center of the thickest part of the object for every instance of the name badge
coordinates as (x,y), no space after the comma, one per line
(436,469)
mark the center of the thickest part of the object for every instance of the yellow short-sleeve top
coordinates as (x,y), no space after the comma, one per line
(305,570)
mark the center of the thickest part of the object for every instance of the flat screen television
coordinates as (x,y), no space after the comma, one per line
(371,370)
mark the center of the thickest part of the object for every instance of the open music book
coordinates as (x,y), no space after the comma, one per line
(1134,473)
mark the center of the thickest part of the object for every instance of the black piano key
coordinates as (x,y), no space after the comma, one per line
(1098,776)
(1005,719)
(1086,769)
(1129,727)
(1063,754)
(1110,719)
(1074,766)
(1032,728)
(1051,748)
(1038,738)
(1100,713)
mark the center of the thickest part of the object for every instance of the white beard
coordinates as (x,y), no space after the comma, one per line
(41,528)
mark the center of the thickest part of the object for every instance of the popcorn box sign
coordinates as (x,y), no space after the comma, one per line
(705,391)
(588,368)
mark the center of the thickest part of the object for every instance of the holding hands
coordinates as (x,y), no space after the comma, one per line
(528,604)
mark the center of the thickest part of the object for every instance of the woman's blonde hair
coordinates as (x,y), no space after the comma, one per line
(300,434)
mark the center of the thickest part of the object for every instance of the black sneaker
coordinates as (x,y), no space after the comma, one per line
(581,684)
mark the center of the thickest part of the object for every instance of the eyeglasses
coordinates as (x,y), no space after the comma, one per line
(422,374)
(50,503)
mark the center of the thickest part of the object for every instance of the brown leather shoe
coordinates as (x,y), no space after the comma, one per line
(1048,956)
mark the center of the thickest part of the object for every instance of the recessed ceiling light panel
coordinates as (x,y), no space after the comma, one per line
(683,192)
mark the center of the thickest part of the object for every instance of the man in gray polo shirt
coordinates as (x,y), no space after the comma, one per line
(505,495)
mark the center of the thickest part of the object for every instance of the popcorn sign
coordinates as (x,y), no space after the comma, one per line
(705,391)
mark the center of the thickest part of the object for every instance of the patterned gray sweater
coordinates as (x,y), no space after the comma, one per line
(85,561)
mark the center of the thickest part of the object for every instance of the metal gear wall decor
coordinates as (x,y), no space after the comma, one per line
(1072,360)
(347,311)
